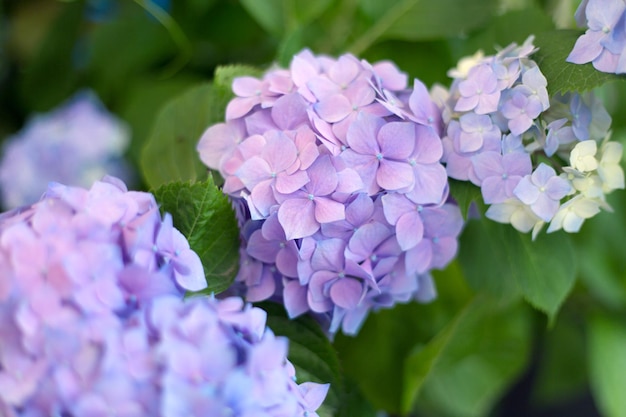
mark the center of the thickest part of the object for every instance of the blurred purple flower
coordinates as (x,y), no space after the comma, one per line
(74,144)
(93,321)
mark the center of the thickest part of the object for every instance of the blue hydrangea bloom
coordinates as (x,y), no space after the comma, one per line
(75,144)
(498,119)
(93,319)
(319,159)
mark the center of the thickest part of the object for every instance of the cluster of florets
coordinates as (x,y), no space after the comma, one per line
(604,42)
(334,165)
(93,321)
(76,144)
(506,136)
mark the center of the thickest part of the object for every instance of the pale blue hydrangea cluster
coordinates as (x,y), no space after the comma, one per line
(334,165)
(75,144)
(93,321)
(604,42)
(506,136)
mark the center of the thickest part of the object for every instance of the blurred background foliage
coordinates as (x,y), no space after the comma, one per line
(520,328)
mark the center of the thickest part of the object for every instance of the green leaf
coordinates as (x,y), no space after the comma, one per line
(204,215)
(465,193)
(505,263)
(310,351)
(554,47)
(607,364)
(170,152)
(482,344)
(418,20)
(141,103)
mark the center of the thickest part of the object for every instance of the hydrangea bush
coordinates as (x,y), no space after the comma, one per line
(343,201)
(332,162)
(93,321)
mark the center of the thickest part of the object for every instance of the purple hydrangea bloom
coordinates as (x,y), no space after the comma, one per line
(312,161)
(604,41)
(75,144)
(93,320)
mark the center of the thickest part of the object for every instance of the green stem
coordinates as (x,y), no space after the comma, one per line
(375,31)
(175,31)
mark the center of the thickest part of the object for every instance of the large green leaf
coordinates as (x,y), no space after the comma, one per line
(501,261)
(483,344)
(170,152)
(607,363)
(204,215)
(311,353)
(562,76)
(418,20)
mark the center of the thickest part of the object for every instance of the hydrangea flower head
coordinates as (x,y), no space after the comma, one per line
(512,149)
(335,167)
(75,144)
(604,42)
(93,320)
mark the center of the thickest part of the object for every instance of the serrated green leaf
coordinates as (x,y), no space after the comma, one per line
(607,364)
(418,20)
(170,152)
(465,193)
(203,214)
(562,76)
(310,351)
(483,344)
(505,263)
